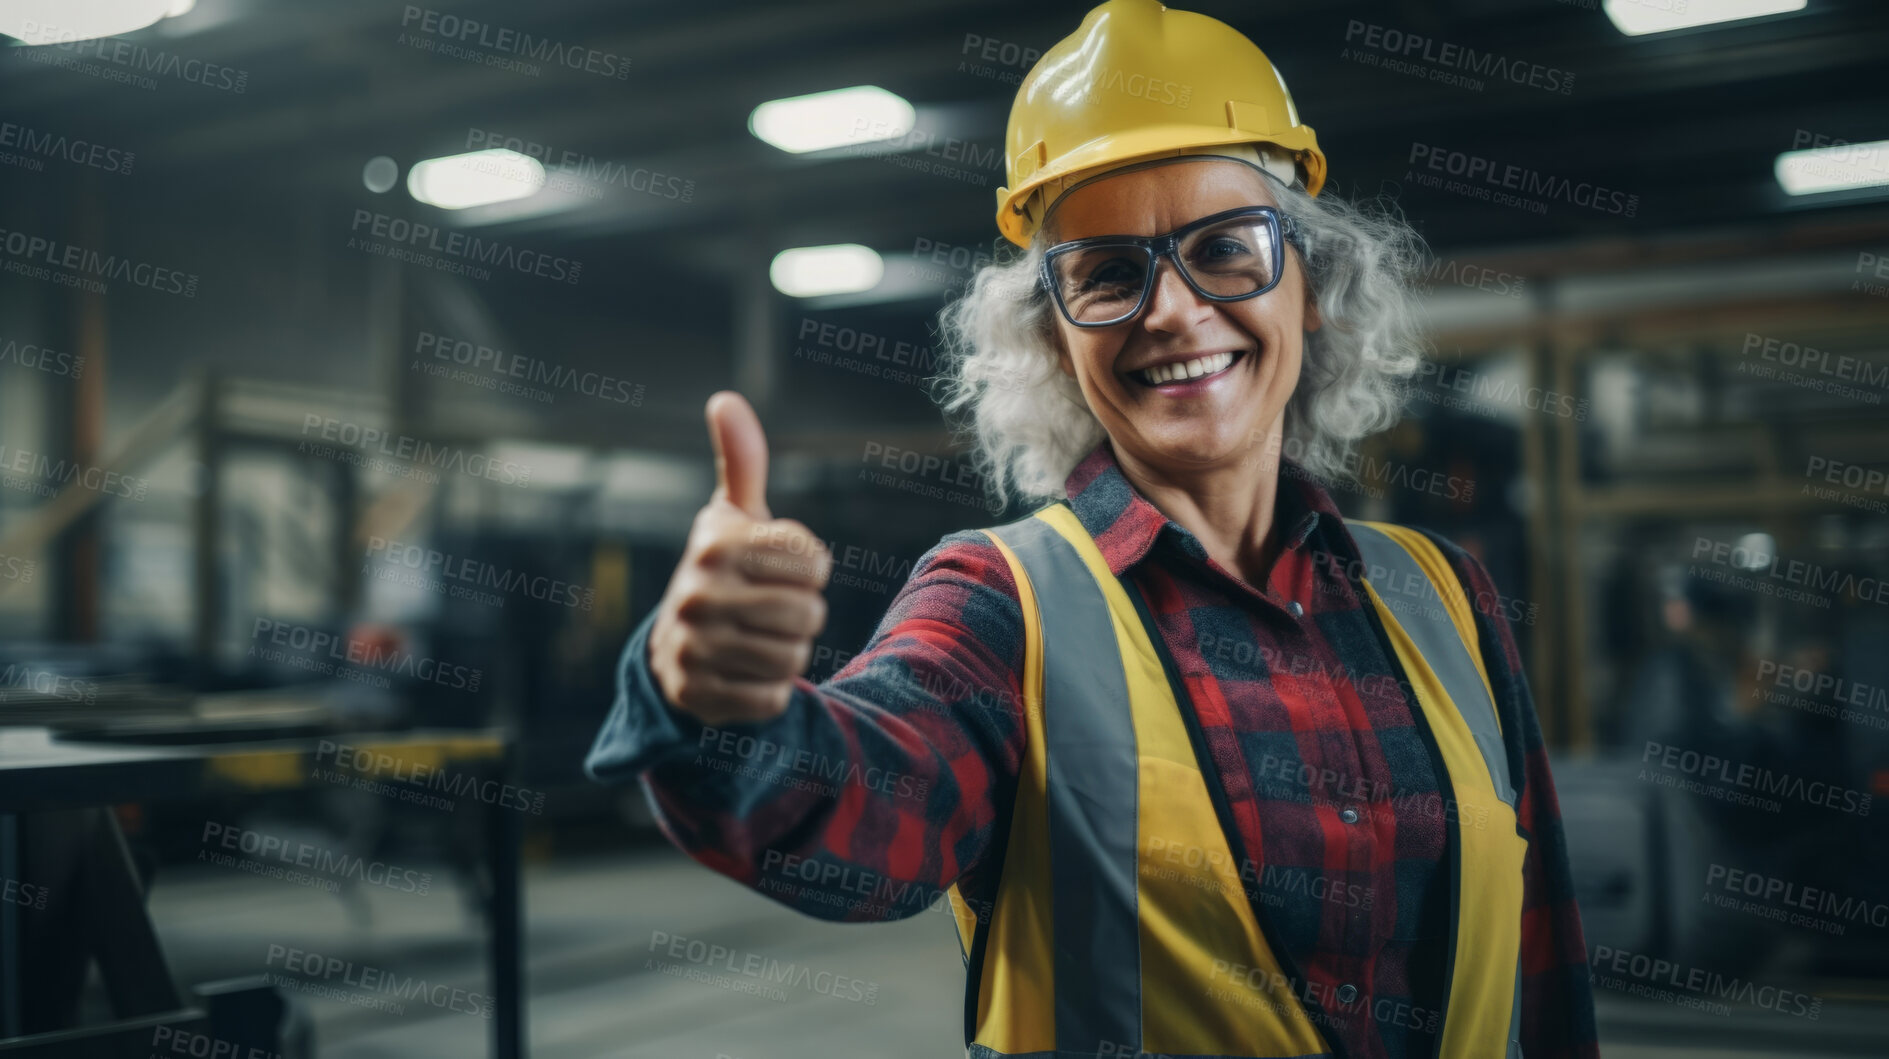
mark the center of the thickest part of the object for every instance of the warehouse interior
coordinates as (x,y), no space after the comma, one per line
(306,415)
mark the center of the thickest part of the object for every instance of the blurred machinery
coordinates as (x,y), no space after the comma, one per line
(1700,554)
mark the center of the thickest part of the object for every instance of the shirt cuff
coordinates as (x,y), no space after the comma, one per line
(642,727)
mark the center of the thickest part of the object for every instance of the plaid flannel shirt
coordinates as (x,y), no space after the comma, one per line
(893,779)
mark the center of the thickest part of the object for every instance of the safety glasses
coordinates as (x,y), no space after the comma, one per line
(1227,257)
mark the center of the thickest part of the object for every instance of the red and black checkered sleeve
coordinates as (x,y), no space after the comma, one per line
(1557,995)
(881,786)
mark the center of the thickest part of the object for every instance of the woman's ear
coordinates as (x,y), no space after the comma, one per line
(1313,321)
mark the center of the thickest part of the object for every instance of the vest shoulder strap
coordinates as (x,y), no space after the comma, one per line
(1414,587)
(1412,577)
(1089,787)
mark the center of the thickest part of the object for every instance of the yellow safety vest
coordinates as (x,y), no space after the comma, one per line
(1101,940)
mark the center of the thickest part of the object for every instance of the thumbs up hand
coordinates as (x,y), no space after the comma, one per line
(737,622)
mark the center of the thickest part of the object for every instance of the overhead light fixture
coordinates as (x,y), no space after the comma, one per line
(62,21)
(1638,17)
(380,174)
(863,114)
(480,178)
(811,271)
(1754,551)
(1839,167)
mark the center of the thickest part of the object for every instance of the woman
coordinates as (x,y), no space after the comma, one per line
(1193,785)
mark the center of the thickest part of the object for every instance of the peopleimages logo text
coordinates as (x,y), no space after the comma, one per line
(521,366)
(1449,56)
(330,649)
(77,151)
(24,469)
(510,41)
(314,968)
(39,358)
(1757,563)
(477,574)
(1523,180)
(54,254)
(1648,973)
(1710,768)
(296,853)
(1796,895)
(133,57)
(376,765)
(573,171)
(413,450)
(468,247)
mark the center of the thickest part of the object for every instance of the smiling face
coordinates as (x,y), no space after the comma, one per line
(1212,414)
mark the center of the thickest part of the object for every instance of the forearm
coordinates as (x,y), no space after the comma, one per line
(838,808)
(871,792)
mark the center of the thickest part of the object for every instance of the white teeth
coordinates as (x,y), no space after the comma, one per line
(1188,369)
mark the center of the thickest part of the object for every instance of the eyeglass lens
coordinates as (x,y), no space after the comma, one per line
(1103,283)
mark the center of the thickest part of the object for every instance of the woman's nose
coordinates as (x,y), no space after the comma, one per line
(1173,306)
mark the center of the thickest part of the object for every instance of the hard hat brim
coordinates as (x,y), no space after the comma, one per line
(1138,144)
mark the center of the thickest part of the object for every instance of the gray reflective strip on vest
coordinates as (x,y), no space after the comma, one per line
(1515,1015)
(1094,773)
(1419,607)
(1428,624)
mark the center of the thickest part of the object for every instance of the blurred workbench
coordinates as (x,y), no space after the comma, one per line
(131,757)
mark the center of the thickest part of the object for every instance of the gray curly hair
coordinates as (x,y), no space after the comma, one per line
(1029,424)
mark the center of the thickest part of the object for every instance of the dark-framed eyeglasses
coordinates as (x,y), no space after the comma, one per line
(1226,257)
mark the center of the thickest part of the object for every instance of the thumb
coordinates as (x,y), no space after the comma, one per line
(740,453)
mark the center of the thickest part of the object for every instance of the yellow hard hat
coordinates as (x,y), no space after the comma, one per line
(1137,81)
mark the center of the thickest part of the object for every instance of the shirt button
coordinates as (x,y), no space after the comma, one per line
(1349,816)
(1294,609)
(1347,993)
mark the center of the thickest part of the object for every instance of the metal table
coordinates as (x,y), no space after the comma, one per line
(41,775)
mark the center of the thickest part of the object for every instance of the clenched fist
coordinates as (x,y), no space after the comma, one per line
(737,623)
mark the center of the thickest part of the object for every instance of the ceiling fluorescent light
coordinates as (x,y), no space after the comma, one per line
(1839,167)
(863,114)
(480,178)
(62,21)
(1637,17)
(811,271)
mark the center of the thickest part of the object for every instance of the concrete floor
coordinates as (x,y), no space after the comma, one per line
(598,935)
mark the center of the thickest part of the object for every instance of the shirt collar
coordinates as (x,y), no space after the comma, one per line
(1125,524)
